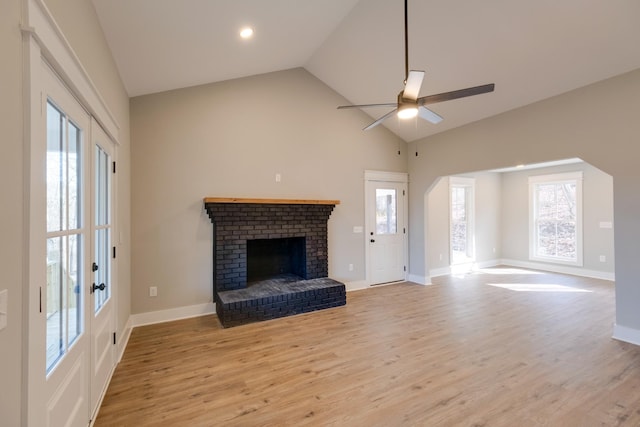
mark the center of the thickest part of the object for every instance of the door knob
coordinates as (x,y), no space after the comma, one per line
(372,240)
(100,287)
(94,267)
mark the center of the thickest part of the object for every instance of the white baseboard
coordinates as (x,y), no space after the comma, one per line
(421,280)
(623,333)
(124,339)
(443,271)
(563,269)
(168,315)
(356,285)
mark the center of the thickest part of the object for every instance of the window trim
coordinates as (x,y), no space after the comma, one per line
(558,178)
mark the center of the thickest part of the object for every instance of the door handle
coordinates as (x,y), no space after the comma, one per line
(372,240)
(94,267)
(100,287)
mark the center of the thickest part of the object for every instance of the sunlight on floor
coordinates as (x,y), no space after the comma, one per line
(537,287)
(507,270)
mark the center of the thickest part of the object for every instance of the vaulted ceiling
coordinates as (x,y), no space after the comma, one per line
(531,50)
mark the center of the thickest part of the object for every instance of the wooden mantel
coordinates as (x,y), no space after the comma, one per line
(270,201)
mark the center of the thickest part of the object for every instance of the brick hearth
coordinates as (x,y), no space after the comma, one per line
(235,221)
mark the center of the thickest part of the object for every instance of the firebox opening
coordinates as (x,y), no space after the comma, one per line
(270,258)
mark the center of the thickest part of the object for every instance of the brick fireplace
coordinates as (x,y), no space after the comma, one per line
(270,258)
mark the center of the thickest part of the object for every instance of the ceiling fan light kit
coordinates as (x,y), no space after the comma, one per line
(409,105)
(407,111)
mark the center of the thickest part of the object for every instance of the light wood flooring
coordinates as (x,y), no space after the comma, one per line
(536,350)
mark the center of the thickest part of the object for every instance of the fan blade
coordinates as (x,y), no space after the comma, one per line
(429,115)
(390,104)
(461,93)
(380,120)
(412,87)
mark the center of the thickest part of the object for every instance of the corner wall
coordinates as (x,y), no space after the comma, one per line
(596,123)
(11,214)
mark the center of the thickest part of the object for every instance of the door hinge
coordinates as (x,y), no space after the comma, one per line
(114,338)
(403,192)
(40,299)
(114,167)
(405,268)
(404,230)
(114,252)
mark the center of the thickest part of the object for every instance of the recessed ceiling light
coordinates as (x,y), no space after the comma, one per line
(246,32)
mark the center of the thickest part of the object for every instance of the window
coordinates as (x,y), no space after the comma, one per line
(461,219)
(556,218)
(386,219)
(64,234)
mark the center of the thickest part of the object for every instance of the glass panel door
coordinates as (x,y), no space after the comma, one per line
(385,231)
(461,220)
(102,229)
(64,235)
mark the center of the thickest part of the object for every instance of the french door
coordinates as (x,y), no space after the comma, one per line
(102,310)
(70,228)
(386,229)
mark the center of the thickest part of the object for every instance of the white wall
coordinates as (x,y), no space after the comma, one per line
(229,139)
(597,123)
(597,206)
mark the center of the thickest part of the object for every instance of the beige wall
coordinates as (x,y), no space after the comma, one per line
(597,123)
(597,206)
(11,212)
(80,25)
(229,139)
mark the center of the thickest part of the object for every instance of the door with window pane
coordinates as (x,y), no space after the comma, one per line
(386,231)
(58,380)
(102,286)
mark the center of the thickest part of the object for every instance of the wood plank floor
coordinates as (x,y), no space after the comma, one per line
(500,347)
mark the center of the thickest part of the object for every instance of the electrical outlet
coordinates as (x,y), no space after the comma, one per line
(603,258)
(440,257)
(153,291)
(350,267)
(278,177)
(4,296)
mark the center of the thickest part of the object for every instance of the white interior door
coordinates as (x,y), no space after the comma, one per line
(102,310)
(59,252)
(386,231)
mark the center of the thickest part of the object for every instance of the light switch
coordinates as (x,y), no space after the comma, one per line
(606,224)
(4,296)
(357,229)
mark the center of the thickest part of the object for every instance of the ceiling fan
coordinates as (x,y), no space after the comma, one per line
(408,104)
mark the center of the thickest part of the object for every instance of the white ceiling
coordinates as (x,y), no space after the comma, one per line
(531,50)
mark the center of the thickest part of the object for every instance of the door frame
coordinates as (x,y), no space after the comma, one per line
(100,138)
(372,176)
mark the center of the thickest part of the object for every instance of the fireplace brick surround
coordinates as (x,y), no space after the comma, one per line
(235,221)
